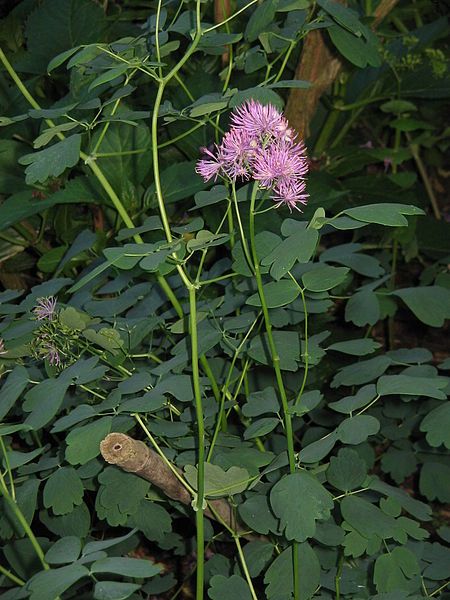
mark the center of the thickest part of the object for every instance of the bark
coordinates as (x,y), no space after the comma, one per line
(135,457)
(320,65)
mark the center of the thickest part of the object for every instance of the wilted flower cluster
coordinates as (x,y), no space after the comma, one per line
(260,146)
(47,343)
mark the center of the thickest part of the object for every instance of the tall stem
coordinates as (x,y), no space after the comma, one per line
(21,519)
(201,444)
(276,365)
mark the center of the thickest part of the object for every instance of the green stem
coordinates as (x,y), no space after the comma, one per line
(426,181)
(230,18)
(337,579)
(241,229)
(285,60)
(11,576)
(278,375)
(306,354)
(8,469)
(183,482)
(201,444)
(23,522)
(244,567)
(221,413)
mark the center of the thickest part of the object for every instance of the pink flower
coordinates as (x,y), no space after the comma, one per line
(209,168)
(290,193)
(238,148)
(259,120)
(45,308)
(260,146)
(280,162)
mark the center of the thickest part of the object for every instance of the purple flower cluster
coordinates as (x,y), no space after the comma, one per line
(51,353)
(45,308)
(260,146)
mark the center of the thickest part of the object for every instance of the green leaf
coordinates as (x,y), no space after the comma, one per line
(257,554)
(60,58)
(152,519)
(398,463)
(260,94)
(393,570)
(76,523)
(64,480)
(83,443)
(107,338)
(124,168)
(389,214)
(436,424)
(178,181)
(74,319)
(218,482)
(12,388)
(298,247)
(49,261)
(430,304)
(205,239)
(216,194)
(288,348)
(109,75)
(356,430)
(355,49)
(359,347)
(366,518)
(26,499)
(363,308)
(114,590)
(341,14)
(434,481)
(277,293)
(322,278)
(44,400)
(256,513)
(317,450)
(51,32)
(414,386)
(260,19)
(285,499)
(279,578)
(64,550)
(222,588)
(128,567)
(120,495)
(351,403)
(409,124)
(261,427)
(416,508)
(48,134)
(362,372)
(52,583)
(52,161)
(347,470)
(261,402)
(22,205)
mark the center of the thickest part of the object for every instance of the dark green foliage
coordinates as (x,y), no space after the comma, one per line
(354,286)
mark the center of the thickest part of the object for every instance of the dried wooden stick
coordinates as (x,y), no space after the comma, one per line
(319,65)
(136,457)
